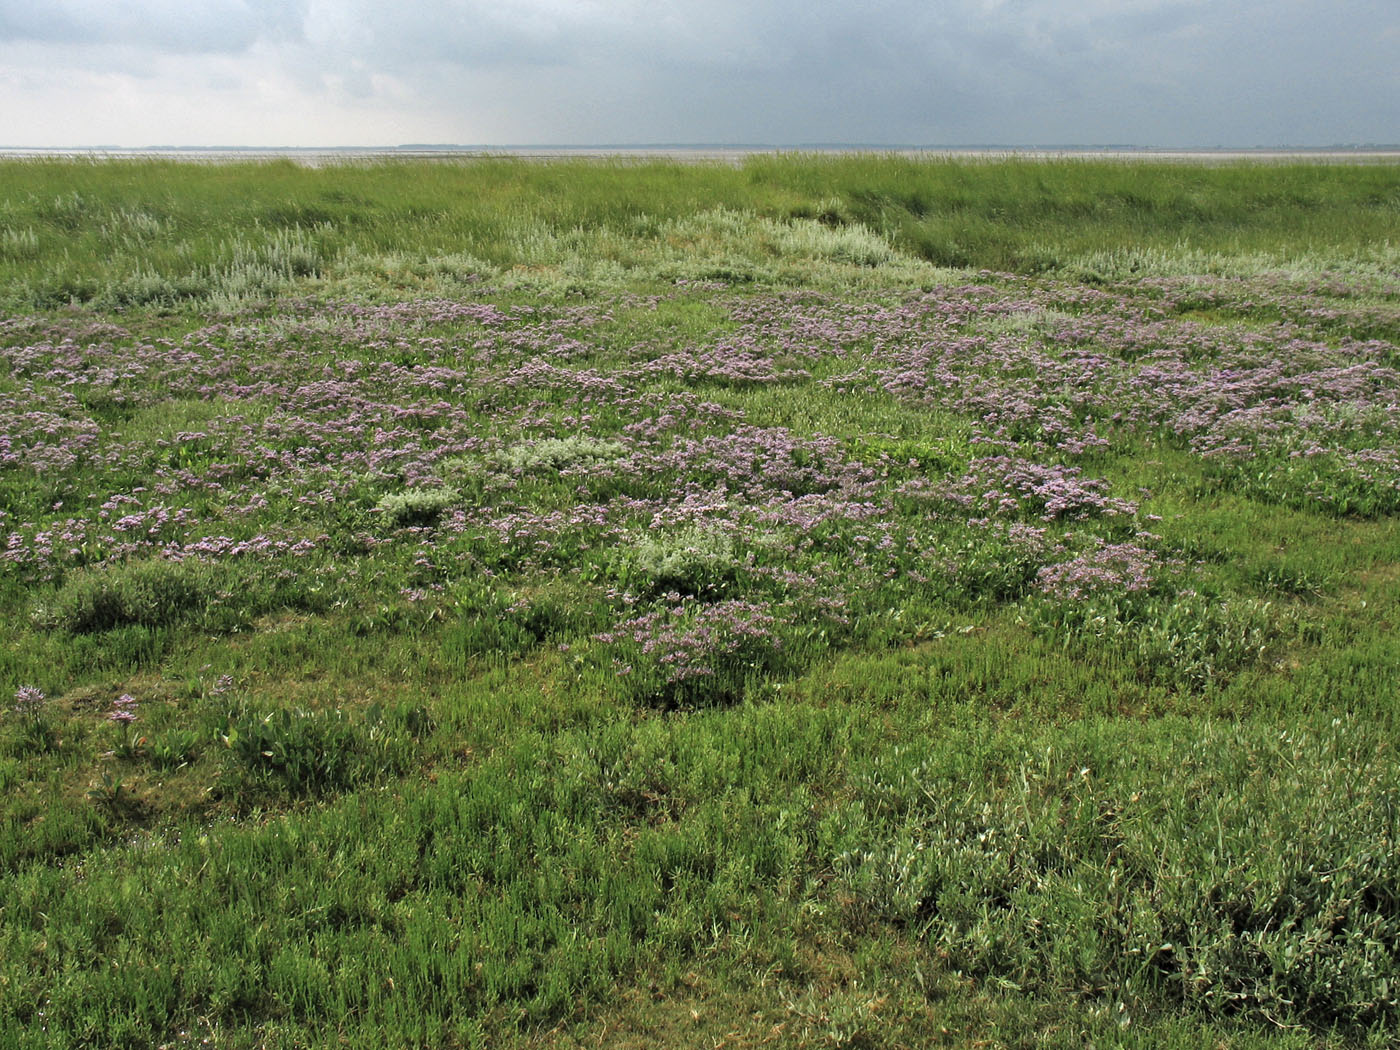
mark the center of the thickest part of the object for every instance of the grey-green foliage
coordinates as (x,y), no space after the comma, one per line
(248,269)
(555,454)
(416,506)
(694,560)
(259,269)
(853,244)
(18,244)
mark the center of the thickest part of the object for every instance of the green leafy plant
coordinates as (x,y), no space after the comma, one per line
(150,593)
(312,753)
(113,795)
(175,748)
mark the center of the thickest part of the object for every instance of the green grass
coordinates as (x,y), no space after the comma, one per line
(388,785)
(162,233)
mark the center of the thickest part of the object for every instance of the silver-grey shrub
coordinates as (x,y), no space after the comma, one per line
(694,560)
(576,450)
(417,506)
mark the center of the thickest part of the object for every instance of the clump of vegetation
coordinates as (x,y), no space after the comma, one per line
(315,752)
(493,623)
(1189,641)
(694,560)
(557,454)
(148,593)
(1169,863)
(693,654)
(416,506)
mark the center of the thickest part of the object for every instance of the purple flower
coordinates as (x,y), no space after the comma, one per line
(29,701)
(1119,568)
(123,709)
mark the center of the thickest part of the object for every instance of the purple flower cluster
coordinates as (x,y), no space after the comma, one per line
(1008,487)
(123,709)
(29,701)
(687,641)
(557,439)
(731,363)
(1112,568)
(1118,364)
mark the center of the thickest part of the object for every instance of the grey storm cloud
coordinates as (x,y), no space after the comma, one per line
(1029,71)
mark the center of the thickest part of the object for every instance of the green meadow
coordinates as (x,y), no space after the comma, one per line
(856,601)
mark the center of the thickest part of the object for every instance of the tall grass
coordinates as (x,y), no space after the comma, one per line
(159,232)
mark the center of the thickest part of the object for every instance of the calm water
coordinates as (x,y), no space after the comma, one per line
(731,154)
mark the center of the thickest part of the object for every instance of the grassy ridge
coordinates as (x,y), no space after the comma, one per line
(554,605)
(162,232)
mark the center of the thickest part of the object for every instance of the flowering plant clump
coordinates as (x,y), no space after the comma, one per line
(694,652)
(1123,568)
(123,710)
(29,701)
(1010,487)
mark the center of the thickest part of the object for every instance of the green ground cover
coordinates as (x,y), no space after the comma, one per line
(821,602)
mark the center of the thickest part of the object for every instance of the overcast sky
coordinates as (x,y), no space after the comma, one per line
(1171,73)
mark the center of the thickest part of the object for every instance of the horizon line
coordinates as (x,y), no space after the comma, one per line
(443,147)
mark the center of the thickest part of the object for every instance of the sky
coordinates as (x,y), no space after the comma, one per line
(1151,73)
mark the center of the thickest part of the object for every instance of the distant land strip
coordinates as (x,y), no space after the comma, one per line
(318,156)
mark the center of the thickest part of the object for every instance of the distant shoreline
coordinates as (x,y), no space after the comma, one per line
(321,156)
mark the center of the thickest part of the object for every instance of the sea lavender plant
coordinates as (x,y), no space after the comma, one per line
(1120,568)
(1011,487)
(689,652)
(30,702)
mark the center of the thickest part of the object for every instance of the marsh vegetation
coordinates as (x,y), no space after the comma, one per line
(860,602)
